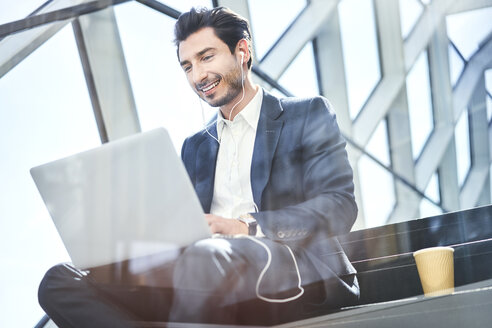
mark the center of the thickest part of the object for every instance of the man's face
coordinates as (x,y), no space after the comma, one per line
(212,71)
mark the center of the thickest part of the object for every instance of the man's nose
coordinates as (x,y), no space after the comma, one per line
(199,74)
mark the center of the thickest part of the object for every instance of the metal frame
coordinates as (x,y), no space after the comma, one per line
(318,22)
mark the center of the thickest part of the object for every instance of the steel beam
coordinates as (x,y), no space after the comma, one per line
(398,119)
(425,28)
(477,180)
(462,6)
(442,100)
(103,60)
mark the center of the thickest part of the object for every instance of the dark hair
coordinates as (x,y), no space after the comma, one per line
(228,26)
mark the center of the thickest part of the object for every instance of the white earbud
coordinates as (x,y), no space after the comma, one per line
(242,57)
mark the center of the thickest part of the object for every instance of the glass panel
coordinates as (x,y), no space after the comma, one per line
(300,77)
(185,5)
(410,11)
(432,191)
(378,202)
(456,65)
(12,10)
(419,104)
(358,32)
(378,144)
(468,29)
(462,141)
(265,34)
(46,114)
(162,94)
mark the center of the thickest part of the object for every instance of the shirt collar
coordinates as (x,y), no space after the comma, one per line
(250,113)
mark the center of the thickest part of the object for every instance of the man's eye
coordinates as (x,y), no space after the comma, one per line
(207,57)
(187,69)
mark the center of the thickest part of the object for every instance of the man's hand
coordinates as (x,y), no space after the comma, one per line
(225,226)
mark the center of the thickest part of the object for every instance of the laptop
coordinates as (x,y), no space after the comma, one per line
(123,200)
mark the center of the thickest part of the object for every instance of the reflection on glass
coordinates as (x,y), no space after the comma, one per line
(419,104)
(410,11)
(265,34)
(468,29)
(45,114)
(432,191)
(161,91)
(376,183)
(462,141)
(358,33)
(456,65)
(300,77)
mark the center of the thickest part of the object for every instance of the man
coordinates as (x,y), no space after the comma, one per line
(274,177)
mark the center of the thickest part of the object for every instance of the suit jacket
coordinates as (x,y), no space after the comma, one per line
(300,177)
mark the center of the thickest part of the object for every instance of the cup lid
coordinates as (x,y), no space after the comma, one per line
(432,249)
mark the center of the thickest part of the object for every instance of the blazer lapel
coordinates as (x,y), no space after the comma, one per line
(267,136)
(206,159)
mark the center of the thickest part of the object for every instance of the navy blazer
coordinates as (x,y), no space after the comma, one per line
(300,177)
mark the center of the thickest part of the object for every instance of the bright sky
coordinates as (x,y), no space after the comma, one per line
(45,114)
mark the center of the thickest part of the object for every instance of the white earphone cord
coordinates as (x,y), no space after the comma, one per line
(260,277)
(269,253)
(230,113)
(265,269)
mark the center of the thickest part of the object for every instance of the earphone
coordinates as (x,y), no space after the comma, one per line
(257,240)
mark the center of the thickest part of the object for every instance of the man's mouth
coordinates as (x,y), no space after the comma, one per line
(207,88)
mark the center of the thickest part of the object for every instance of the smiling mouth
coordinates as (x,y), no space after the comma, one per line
(209,86)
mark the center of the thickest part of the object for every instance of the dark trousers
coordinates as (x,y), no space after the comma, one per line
(213,281)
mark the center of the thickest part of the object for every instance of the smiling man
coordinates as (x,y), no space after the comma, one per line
(273,169)
(273,177)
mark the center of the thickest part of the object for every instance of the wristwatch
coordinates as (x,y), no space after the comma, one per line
(250,222)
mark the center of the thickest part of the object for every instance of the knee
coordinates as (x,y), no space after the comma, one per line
(208,257)
(208,249)
(57,280)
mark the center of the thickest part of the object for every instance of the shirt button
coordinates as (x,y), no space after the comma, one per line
(280,234)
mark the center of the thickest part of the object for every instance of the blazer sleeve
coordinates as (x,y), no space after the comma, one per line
(329,205)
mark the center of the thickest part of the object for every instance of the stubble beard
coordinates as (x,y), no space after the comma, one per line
(233,81)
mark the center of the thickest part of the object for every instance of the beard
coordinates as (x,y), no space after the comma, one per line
(232,81)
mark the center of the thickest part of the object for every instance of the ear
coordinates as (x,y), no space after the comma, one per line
(242,48)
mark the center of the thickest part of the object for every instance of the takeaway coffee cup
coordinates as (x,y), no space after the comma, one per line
(436,270)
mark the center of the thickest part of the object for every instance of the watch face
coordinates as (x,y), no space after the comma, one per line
(252,228)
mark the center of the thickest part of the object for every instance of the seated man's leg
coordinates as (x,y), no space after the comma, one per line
(72,298)
(216,274)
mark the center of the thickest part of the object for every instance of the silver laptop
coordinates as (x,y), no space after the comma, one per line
(125,199)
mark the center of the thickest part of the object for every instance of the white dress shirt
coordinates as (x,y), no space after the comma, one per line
(233,195)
